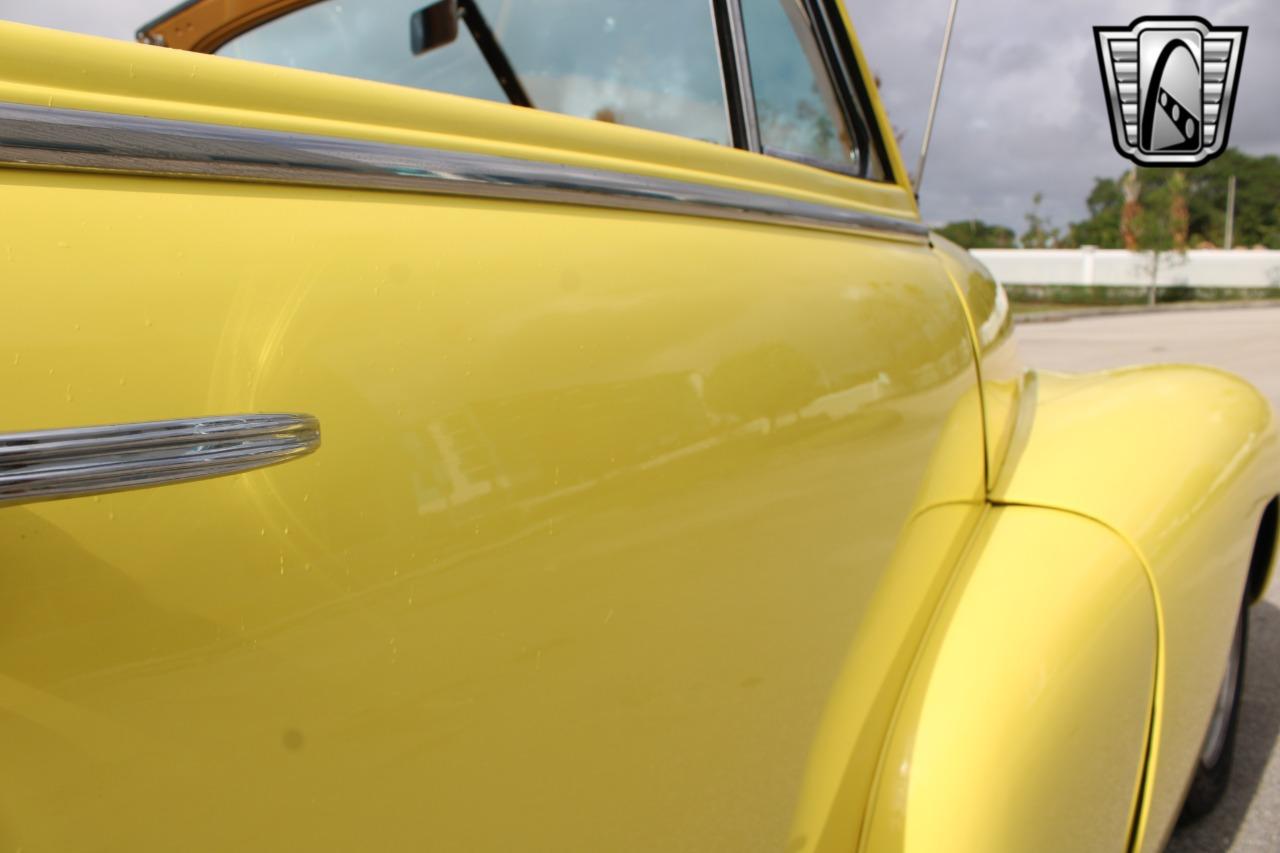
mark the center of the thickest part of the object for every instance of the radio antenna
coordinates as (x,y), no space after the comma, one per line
(937,88)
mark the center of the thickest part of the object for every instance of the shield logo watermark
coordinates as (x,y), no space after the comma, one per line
(1170,84)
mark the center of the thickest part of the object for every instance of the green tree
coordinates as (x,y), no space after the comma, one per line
(1040,233)
(1161,227)
(976,234)
(1257,219)
(1102,228)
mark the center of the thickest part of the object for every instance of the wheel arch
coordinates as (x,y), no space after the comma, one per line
(1262,562)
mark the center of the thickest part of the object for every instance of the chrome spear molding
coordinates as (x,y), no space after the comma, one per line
(63,463)
(94,141)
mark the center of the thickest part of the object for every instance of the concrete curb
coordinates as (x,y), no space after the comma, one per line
(1099,311)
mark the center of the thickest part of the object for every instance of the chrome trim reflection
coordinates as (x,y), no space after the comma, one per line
(81,139)
(63,463)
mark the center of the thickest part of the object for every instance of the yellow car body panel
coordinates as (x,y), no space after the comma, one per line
(1032,691)
(631,530)
(1180,461)
(1002,376)
(594,483)
(845,754)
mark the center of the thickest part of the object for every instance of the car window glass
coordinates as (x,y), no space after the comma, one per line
(796,106)
(653,64)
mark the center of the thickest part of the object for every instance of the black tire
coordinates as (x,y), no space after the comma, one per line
(1213,768)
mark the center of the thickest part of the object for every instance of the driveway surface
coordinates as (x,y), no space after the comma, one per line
(1246,342)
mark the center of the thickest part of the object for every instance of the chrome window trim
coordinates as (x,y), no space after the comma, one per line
(837,66)
(83,139)
(742,67)
(64,463)
(847,78)
(724,56)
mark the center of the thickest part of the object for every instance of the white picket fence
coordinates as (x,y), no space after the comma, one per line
(1116,267)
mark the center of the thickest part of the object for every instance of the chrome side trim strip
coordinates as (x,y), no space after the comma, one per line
(81,139)
(63,463)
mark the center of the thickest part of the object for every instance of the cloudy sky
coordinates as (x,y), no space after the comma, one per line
(1022,107)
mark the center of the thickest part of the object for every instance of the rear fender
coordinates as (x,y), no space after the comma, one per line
(1025,720)
(1181,462)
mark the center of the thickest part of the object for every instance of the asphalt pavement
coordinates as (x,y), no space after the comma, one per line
(1246,342)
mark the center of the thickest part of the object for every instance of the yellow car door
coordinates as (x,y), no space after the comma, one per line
(619,427)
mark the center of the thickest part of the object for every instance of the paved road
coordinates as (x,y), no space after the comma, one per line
(1246,342)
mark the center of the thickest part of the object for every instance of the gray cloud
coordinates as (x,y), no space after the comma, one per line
(1022,108)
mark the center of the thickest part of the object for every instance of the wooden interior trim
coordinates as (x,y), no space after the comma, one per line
(203,26)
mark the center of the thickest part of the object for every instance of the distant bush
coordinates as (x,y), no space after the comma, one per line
(1177,293)
(1071,294)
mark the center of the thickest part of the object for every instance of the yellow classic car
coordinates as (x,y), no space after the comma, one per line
(678,489)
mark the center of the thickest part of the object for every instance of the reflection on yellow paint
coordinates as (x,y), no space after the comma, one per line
(579,527)
(604,502)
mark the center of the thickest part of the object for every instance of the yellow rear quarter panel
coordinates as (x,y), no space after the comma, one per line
(1024,723)
(1181,462)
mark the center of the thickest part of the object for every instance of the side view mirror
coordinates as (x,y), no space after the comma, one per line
(433,26)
